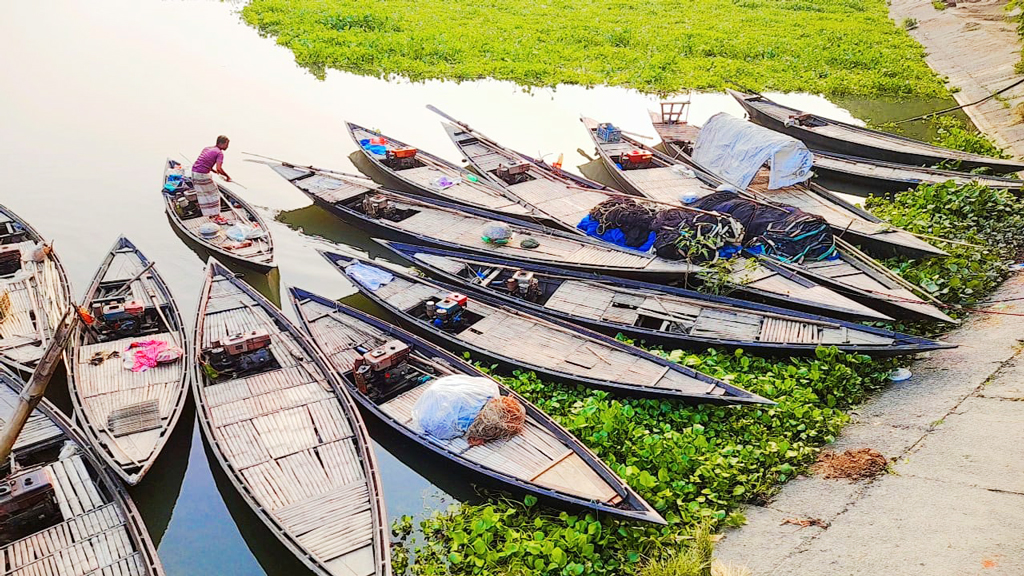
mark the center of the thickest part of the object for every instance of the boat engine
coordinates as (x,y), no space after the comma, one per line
(186,204)
(28,504)
(400,158)
(635,159)
(122,318)
(513,172)
(447,314)
(380,369)
(377,206)
(10,260)
(524,285)
(242,353)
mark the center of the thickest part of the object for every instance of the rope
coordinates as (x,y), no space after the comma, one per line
(947,110)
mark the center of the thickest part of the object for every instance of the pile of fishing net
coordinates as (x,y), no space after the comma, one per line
(674,233)
(787,233)
(694,236)
(622,221)
(501,417)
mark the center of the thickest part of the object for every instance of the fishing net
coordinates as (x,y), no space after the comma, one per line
(501,417)
(693,235)
(628,215)
(785,232)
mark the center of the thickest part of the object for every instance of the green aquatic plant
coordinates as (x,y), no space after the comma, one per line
(986,226)
(835,47)
(954,133)
(694,464)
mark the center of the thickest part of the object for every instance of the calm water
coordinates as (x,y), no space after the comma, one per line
(96,94)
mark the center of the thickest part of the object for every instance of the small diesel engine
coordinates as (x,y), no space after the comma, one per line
(635,159)
(122,318)
(377,206)
(27,504)
(523,285)
(242,353)
(381,368)
(400,158)
(513,172)
(10,260)
(186,204)
(447,314)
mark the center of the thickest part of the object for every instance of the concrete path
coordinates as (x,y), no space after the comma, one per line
(976,47)
(954,502)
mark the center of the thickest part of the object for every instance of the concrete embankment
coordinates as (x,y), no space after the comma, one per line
(953,503)
(977,48)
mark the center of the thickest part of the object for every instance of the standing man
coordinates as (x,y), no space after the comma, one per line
(210,160)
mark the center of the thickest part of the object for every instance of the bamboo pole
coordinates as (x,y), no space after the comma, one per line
(32,393)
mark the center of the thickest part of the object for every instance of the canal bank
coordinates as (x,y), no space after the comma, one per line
(951,502)
(977,48)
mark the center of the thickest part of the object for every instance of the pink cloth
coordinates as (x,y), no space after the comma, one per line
(207,159)
(148,353)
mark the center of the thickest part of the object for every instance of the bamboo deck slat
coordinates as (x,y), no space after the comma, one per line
(92,539)
(286,434)
(33,300)
(259,247)
(466,191)
(526,456)
(39,430)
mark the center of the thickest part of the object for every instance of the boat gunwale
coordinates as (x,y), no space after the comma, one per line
(434,194)
(924,149)
(371,469)
(739,395)
(907,344)
(71,358)
(134,524)
(65,283)
(643,511)
(262,262)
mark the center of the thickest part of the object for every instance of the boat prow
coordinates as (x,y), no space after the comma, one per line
(544,459)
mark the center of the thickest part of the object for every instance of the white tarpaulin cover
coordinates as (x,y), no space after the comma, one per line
(735,150)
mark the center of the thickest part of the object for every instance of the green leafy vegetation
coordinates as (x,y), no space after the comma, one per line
(939,4)
(834,47)
(693,464)
(987,224)
(954,133)
(696,465)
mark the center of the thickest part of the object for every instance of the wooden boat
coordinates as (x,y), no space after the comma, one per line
(821,133)
(418,175)
(854,274)
(34,293)
(408,219)
(849,221)
(852,175)
(544,459)
(128,416)
(863,176)
(288,436)
(533,341)
(256,253)
(78,518)
(657,314)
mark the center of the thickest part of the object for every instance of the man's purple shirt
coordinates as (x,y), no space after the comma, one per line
(208,158)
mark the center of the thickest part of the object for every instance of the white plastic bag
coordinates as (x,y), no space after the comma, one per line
(450,404)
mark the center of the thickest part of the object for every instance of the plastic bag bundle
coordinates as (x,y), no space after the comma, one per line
(497,233)
(209,230)
(450,404)
(501,417)
(237,232)
(442,182)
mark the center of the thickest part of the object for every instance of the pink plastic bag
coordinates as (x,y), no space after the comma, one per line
(141,356)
